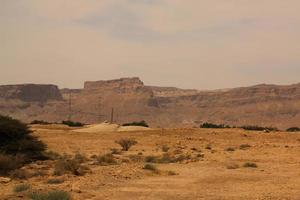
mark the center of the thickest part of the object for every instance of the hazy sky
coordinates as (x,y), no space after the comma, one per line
(203,44)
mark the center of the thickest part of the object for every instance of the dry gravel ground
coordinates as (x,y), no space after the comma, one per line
(277,176)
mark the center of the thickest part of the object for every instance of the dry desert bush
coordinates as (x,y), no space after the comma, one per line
(126,143)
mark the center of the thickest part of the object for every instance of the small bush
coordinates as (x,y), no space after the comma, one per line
(115,151)
(39,122)
(150,167)
(53,195)
(211,125)
(167,158)
(165,148)
(80,158)
(151,159)
(141,123)
(66,165)
(55,181)
(250,165)
(172,173)
(73,124)
(106,159)
(126,143)
(230,149)
(21,188)
(244,146)
(258,128)
(293,129)
(136,158)
(51,155)
(21,174)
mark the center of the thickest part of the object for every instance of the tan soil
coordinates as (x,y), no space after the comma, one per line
(107,127)
(276,154)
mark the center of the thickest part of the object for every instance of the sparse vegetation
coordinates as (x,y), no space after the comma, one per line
(52,195)
(22,188)
(9,163)
(167,158)
(39,122)
(250,165)
(51,155)
(244,146)
(136,158)
(230,149)
(72,124)
(115,151)
(69,165)
(21,174)
(172,173)
(211,125)
(55,181)
(126,143)
(150,167)
(208,147)
(165,148)
(293,129)
(106,159)
(141,123)
(80,158)
(258,128)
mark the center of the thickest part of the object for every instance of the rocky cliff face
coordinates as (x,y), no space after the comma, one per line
(118,85)
(30,92)
(266,105)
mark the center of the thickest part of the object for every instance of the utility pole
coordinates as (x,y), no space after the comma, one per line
(112,116)
(70,107)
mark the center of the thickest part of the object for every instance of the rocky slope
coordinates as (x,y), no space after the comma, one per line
(266,105)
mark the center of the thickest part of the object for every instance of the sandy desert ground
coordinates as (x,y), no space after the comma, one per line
(213,167)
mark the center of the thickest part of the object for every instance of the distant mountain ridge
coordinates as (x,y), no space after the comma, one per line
(265,105)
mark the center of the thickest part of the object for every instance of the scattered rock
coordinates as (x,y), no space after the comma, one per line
(4,180)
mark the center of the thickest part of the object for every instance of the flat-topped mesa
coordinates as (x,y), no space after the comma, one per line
(123,84)
(31,92)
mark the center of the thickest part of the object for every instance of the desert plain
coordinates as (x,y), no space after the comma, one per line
(223,164)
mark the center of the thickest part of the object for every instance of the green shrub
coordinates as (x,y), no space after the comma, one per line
(52,195)
(211,125)
(21,188)
(293,129)
(141,123)
(126,143)
(16,138)
(72,124)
